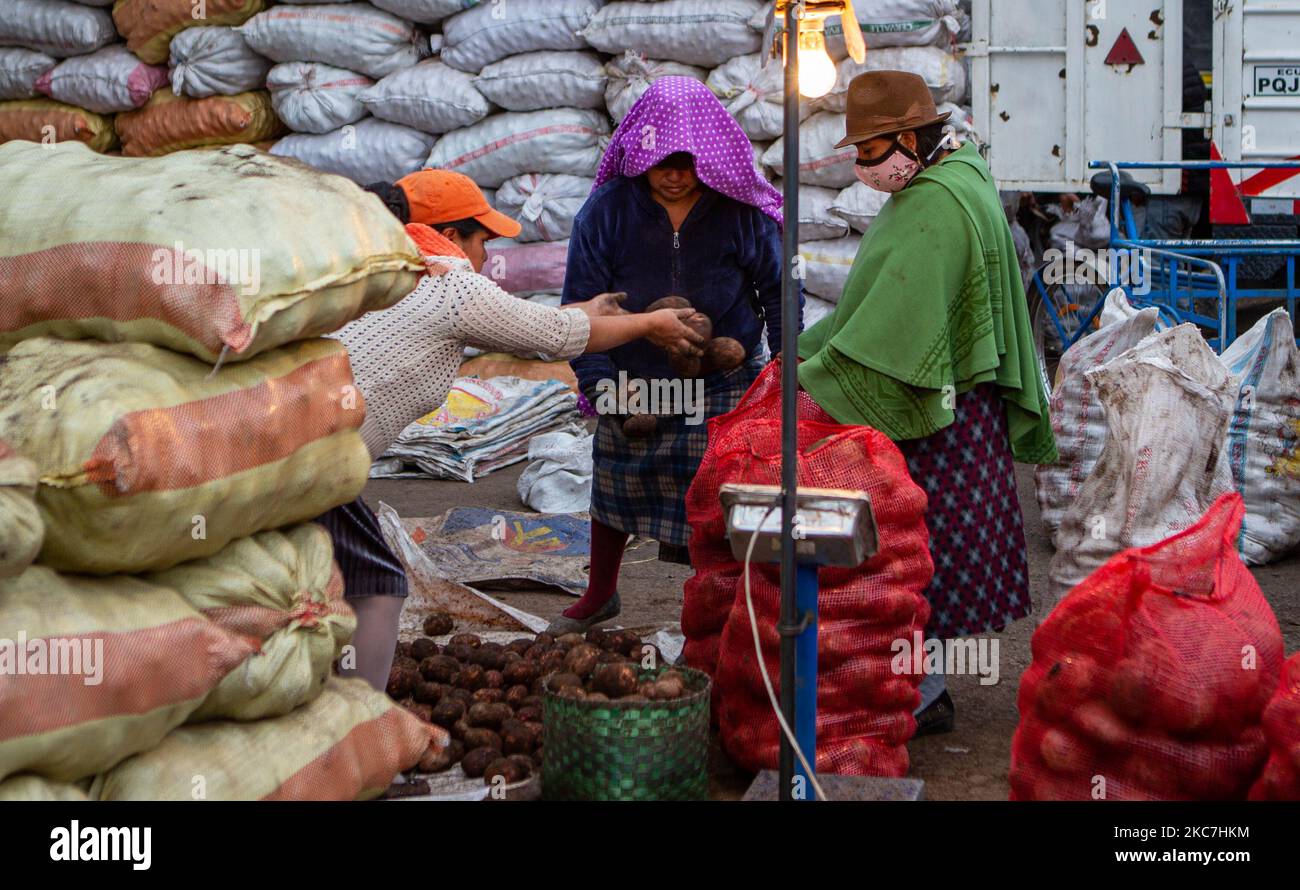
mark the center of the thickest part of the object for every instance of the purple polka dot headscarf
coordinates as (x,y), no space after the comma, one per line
(681,114)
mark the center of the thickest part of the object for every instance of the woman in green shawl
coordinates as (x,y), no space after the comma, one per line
(930,344)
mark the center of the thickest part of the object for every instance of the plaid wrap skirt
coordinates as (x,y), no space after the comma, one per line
(639,485)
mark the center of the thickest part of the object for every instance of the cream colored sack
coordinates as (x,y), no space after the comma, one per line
(348,744)
(21,528)
(93,670)
(197,251)
(280,587)
(147,459)
(28,787)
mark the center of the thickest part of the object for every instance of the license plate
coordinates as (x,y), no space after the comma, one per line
(1277,80)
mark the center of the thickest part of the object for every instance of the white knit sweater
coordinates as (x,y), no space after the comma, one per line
(405,358)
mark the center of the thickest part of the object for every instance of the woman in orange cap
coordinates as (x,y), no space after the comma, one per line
(406,358)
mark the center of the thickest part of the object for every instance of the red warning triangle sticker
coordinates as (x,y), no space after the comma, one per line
(1125,51)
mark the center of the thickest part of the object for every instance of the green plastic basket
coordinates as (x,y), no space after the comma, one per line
(628,751)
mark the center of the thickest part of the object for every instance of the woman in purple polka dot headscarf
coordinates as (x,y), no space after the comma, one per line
(678,209)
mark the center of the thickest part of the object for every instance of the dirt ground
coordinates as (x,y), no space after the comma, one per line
(969,763)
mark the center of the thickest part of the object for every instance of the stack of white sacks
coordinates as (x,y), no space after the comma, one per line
(522,96)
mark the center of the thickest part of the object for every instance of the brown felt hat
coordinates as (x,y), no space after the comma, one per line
(881,103)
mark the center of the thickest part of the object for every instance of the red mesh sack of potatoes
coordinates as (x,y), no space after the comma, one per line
(1149,679)
(864,709)
(1281,777)
(710,592)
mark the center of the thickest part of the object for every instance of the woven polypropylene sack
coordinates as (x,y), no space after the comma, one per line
(827,265)
(943,73)
(817,221)
(20,69)
(431,97)
(1263,447)
(864,709)
(283,589)
(168,122)
(55,27)
(54,123)
(889,23)
(545,79)
(523,268)
(108,667)
(754,95)
(347,744)
(28,787)
(1281,777)
(561,140)
(820,162)
(631,74)
(311,97)
(1168,404)
(115,248)
(1078,416)
(105,81)
(426,12)
(368,151)
(490,31)
(355,36)
(150,25)
(21,528)
(1148,681)
(859,205)
(215,61)
(544,204)
(694,32)
(147,458)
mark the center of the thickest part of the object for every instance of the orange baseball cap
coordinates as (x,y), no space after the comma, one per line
(441,196)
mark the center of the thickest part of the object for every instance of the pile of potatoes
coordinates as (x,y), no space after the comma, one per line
(488,696)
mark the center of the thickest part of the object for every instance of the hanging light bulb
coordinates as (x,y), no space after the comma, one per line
(817,72)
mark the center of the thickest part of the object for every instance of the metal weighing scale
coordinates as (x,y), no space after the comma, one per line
(831,527)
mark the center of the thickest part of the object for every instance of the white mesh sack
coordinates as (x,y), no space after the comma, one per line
(545,79)
(368,151)
(55,27)
(891,23)
(430,96)
(215,61)
(858,205)
(560,140)
(631,74)
(480,36)
(827,265)
(426,12)
(820,162)
(354,36)
(20,69)
(817,222)
(694,32)
(543,203)
(311,97)
(943,73)
(753,94)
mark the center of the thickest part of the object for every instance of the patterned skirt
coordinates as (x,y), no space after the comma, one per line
(639,485)
(977,535)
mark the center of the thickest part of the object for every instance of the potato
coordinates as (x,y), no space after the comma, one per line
(646,690)
(439,668)
(438,624)
(476,760)
(482,737)
(544,639)
(1099,723)
(459,728)
(470,677)
(489,715)
(429,693)
(536,700)
(1064,753)
(447,711)
(510,771)
(515,695)
(437,758)
(568,641)
(535,652)
(529,714)
(615,680)
(490,695)
(722,354)
(608,656)
(556,682)
(550,663)
(488,655)
(598,636)
(521,673)
(423,711)
(466,639)
(571,692)
(640,426)
(509,658)
(667,690)
(459,651)
(403,650)
(669,302)
(423,648)
(464,695)
(581,660)
(516,737)
(684,365)
(520,646)
(494,680)
(401,680)
(625,642)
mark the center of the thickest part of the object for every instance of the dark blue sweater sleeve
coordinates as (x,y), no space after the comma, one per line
(762,262)
(587,274)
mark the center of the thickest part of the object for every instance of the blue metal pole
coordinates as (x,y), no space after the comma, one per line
(805,676)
